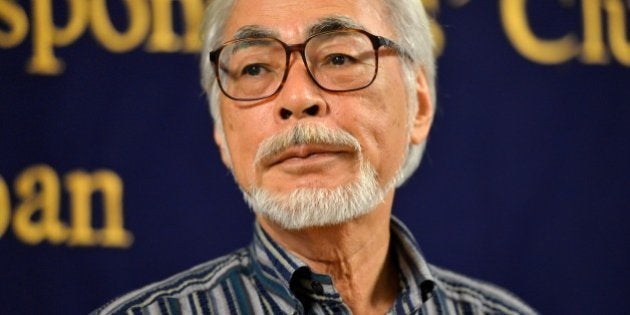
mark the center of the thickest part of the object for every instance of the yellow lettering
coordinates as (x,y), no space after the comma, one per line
(193,18)
(46,35)
(106,33)
(76,23)
(593,47)
(38,190)
(81,187)
(114,234)
(163,38)
(5,207)
(520,34)
(433,7)
(617,31)
(15,17)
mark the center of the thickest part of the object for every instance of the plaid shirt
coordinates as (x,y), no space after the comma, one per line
(266,279)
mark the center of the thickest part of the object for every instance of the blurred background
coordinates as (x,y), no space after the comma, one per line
(110,180)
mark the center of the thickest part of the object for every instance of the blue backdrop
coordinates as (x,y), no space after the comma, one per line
(109,177)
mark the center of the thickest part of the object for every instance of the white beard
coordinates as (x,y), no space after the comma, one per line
(313,207)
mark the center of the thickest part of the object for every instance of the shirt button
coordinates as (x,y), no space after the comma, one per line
(317,287)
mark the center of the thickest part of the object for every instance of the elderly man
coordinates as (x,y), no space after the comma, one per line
(321,109)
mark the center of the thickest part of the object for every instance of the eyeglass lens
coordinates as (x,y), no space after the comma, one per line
(338,61)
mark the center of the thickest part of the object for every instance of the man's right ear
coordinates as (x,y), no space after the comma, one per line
(219,138)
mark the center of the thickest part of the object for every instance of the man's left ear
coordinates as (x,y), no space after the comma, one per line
(424,117)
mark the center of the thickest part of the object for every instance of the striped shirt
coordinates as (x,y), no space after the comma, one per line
(266,279)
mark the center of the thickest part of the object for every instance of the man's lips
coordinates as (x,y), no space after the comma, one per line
(304,152)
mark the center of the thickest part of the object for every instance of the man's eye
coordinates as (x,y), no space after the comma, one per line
(339,60)
(252,70)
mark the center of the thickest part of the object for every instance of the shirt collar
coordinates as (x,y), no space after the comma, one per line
(416,281)
(288,277)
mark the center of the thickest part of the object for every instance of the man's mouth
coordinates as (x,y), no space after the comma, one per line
(305,153)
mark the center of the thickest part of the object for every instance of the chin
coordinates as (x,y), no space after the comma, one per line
(315,205)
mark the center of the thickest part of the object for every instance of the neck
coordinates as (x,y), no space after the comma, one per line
(355,254)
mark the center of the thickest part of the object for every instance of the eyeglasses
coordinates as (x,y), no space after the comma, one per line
(255,68)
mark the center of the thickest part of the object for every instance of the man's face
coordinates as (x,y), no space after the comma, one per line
(376,116)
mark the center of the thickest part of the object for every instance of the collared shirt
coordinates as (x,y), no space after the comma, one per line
(264,278)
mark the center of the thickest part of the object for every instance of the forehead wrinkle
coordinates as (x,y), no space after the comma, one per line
(325,24)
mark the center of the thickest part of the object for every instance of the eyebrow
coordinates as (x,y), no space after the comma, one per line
(333,23)
(255,31)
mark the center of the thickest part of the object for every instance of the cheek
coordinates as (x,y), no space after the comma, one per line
(377,120)
(380,118)
(385,110)
(243,137)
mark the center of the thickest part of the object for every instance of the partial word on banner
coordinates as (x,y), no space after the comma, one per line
(36,216)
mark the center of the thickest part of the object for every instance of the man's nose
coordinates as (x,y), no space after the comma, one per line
(300,96)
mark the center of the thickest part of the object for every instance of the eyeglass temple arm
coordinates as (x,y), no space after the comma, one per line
(382,41)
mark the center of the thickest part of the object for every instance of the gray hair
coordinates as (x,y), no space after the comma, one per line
(411,25)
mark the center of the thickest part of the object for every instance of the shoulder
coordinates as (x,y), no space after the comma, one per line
(203,277)
(469,295)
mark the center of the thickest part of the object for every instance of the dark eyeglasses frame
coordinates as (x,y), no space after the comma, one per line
(377,42)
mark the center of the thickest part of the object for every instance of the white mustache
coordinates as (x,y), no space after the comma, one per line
(303,134)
